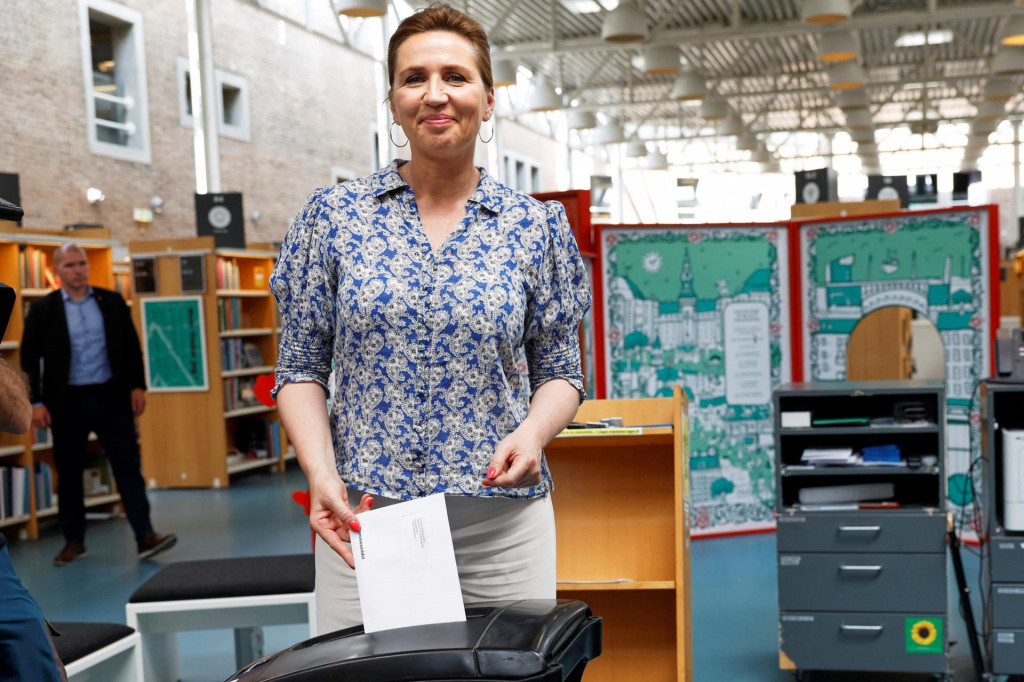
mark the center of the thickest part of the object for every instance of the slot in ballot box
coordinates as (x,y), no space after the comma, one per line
(530,640)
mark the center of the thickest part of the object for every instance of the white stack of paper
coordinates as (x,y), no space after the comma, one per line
(821,456)
(405,566)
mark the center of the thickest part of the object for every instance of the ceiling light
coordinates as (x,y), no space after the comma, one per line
(1009,61)
(837,47)
(825,11)
(689,86)
(919,38)
(610,133)
(747,142)
(731,125)
(581,120)
(361,8)
(999,89)
(661,60)
(846,75)
(656,160)
(1013,32)
(94,195)
(635,148)
(714,108)
(851,100)
(859,119)
(504,73)
(624,24)
(544,97)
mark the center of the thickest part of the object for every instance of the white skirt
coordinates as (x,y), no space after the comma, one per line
(504,549)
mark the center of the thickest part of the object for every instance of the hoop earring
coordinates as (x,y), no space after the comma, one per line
(392,137)
(481,136)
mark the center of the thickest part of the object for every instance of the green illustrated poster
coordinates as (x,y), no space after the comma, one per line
(923,635)
(174,341)
(705,308)
(936,264)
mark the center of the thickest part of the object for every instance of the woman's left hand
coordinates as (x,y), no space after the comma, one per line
(516,462)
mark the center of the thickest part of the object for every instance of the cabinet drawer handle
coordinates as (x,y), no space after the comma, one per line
(860,628)
(862,569)
(860,529)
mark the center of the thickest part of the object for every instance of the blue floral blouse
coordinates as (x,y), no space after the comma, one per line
(426,343)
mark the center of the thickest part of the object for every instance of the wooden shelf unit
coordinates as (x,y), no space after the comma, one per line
(187,436)
(621,513)
(15,246)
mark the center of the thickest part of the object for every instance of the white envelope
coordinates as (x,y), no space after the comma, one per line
(405,566)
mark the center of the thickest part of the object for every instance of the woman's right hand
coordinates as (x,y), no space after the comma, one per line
(330,516)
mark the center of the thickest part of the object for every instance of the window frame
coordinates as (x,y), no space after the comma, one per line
(117,13)
(240,131)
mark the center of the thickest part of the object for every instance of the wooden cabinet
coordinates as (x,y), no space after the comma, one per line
(879,348)
(200,438)
(26,264)
(621,506)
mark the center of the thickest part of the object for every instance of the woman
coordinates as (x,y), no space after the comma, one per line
(422,282)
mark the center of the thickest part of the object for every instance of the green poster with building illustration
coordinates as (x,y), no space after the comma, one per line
(705,308)
(174,341)
(936,264)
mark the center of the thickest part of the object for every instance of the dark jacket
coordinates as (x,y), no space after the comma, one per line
(46,347)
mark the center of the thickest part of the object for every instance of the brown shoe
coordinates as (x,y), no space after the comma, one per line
(153,543)
(72,552)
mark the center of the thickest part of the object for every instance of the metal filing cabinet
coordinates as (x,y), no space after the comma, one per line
(1002,407)
(862,584)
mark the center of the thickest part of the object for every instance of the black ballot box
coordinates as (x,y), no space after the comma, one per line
(529,640)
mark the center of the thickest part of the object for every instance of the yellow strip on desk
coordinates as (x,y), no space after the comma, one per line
(625,431)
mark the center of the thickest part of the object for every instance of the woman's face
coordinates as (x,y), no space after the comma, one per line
(439,97)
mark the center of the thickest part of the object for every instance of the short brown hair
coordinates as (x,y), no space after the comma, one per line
(439,16)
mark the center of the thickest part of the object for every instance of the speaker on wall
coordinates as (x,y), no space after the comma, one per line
(962,181)
(887,187)
(221,215)
(10,190)
(817,186)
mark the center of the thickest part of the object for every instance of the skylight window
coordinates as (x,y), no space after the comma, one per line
(919,38)
(589,6)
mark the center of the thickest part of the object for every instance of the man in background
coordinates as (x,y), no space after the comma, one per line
(84,364)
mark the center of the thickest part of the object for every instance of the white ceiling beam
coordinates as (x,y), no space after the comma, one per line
(718,32)
(823,90)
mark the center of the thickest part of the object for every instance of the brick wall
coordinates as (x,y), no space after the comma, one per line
(311,104)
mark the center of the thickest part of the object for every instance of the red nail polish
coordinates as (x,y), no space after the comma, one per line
(354,525)
(369,502)
(492,473)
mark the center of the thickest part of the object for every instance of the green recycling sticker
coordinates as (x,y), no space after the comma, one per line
(924,635)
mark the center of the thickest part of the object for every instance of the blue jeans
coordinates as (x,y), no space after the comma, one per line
(25,650)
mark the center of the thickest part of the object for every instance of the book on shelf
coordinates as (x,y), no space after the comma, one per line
(229,314)
(41,436)
(14,489)
(239,393)
(228,276)
(252,355)
(32,267)
(257,438)
(44,485)
(232,354)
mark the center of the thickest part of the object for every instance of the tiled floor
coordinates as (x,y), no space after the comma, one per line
(735,631)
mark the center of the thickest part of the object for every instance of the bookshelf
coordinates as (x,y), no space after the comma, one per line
(621,513)
(26,262)
(201,438)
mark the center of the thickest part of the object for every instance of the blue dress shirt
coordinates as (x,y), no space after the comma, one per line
(426,342)
(89,362)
